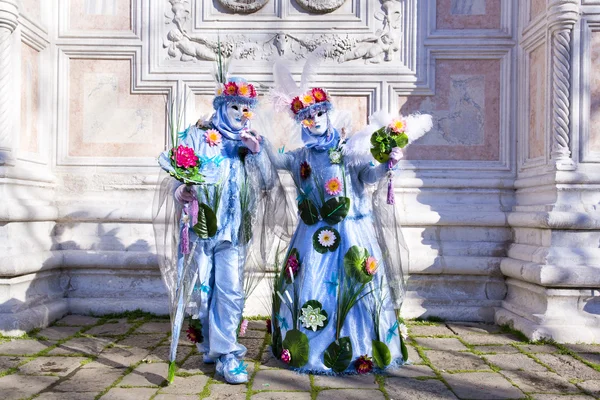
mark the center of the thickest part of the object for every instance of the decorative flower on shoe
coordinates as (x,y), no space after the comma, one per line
(269,326)
(244,89)
(308,99)
(397,126)
(243,327)
(231,89)
(335,156)
(305,170)
(319,95)
(326,238)
(286,356)
(292,265)
(333,187)
(364,364)
(297,105)
(312,318)
(404,331)
(185,157)
(371,265)
(212,137)
(193,335)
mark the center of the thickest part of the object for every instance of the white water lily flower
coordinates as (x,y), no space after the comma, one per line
(403,331)
(326,238)
(312,318)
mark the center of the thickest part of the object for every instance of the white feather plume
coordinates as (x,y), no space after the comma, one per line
(285,87)
(357,149)
(311,66)
(417,125)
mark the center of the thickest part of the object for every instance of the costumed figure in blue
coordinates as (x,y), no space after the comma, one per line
(214,238)
(338,291)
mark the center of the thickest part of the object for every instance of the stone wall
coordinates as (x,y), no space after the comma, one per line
(499,198)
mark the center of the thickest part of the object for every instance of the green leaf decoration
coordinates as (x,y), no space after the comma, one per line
(382,144)
(276,342)
(381,354)
(246,227)
(308,212)
(401,140)
(335,209)
(354,260)
(338,355)
(403,349)
(316,304)
(207,222)
(323,249)
(297,343)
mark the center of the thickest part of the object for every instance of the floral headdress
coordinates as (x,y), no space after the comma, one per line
(235,90)
(301,101)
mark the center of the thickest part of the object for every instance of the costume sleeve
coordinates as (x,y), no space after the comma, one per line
(280,160)
(371,174)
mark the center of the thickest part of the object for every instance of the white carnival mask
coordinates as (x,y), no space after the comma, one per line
(318,124)
(235,115)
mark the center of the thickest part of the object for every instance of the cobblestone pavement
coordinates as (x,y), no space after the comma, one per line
(82,357)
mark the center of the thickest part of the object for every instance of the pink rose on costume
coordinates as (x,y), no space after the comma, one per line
(212,137)
(333,187)
(185,157)
(243,327)
(286,356)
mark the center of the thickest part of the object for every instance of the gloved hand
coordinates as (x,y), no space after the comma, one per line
(251,140)
(395,156)
(183,194)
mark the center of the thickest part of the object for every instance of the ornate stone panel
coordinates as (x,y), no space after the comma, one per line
(106,120)
(100,15)
(537,7)
(466,112)
(468,14)
(30,99)
(537,102)
(32,9)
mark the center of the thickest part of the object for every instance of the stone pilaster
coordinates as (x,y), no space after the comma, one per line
(8,22)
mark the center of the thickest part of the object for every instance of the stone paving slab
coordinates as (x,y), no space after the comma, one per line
(411,371)
(230,392)
(56,333)
(122,357)
(429,330)
(20,386)
(7,362)
(88,380)
(254,334)
(454,361)
(22,347)
(413,355)
(544,396)
(569,367)
(537,348)
(117,329)
(282,396)
(176,397)
(77,320)
(468,328)
(445,344)
(515,362)
(499,338)
(60,366)
(272,379)
(129,394)
(186,385)
(405,389)
(534,381)
(498,349)
(349,394)
(591,387)
(195,365)
(253,346)
(67,396)
(583,348)
(161,354)
(346,382)
(142,341)
(153,374)
(83,345)
(593,358)
(268,360)
(154,327)
(257,325)
(482,385)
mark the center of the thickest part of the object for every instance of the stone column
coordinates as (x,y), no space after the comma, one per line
(8,22)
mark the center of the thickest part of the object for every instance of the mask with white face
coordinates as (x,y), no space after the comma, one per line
(235,115)
(319,123)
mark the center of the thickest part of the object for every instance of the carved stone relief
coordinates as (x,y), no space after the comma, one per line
(243,6)
(371,48)
(320,6)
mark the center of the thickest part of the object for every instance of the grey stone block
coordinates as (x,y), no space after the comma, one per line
(348,394)
(61,366)
(482,385)
(146,375)
(252,334)
(491,339)
(257,325)
(253,346)
(89,380)
(429,330)
(538,348)
(468,328)
(7,362)
(515,362)
(23,347)
(405,389)
(161,354)
(77,320)
(445,344)
(453,361)
(532,381)
(411,371)
(122,357)
(176,397)
(186,385)
(280,379)
(154,327)
(591,387)
(593,358)
(195,365)
(413,355)
(346,381)
(108,329)
(500,349)
(59,332)
(142,341)
(84,345)
(584,348)
(129,394)
(67,396)
(20,386)
(569,367)
(268,360)
(222,392)
(282,396)
(537,396)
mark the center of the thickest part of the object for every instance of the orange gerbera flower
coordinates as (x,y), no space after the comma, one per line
(244,90)
(333,187)
(308,99)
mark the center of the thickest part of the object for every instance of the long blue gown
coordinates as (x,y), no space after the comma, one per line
(321,275)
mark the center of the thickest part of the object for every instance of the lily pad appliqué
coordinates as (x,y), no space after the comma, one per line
(326,239)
